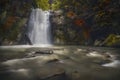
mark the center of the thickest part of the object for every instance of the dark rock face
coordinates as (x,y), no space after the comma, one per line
(13,18)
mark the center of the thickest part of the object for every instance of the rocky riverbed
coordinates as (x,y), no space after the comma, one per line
(59,63)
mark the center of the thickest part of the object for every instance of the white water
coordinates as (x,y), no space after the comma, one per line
(39,28)
(113,64)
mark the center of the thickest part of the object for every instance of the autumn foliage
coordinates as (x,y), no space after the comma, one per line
(79,22)
(9,22)
(71,14)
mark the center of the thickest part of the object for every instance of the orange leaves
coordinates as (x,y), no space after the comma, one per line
(79,22)
(107,1)
(104,3)
(9,22)
(86,33)
(71,14)
(85,30)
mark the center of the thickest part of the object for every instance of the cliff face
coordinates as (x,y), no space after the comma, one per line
(73,21)
(13,17)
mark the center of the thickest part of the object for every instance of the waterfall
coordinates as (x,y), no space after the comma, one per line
(39,27)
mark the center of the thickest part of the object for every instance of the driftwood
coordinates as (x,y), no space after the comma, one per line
(44,52)
(39,52)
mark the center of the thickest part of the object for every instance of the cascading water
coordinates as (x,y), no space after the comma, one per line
(39,27)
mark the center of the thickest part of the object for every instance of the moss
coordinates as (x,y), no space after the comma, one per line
(112,40)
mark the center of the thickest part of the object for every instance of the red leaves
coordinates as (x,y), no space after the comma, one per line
(9,22)
(86,33)
(107,1)
(85,30)
(71,14)
(79,22)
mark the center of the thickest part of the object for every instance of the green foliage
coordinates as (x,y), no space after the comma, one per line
(16,28)
(44,4)
(112,40)
(56,5)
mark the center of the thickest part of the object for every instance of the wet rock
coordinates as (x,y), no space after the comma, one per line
(112,40)
(60,76)
(75,75)
(54,60)
(50,73)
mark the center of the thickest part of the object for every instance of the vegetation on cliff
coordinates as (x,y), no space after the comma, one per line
(73,21)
